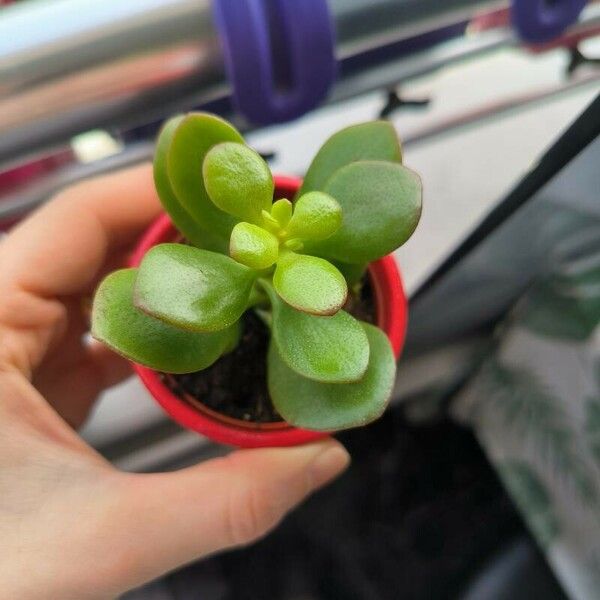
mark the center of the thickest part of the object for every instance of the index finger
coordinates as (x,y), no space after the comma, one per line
(60,249)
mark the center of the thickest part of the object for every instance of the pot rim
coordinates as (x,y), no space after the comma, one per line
(392,315)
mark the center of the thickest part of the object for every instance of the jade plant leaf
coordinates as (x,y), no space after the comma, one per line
(193,137)
(333,406)
(253,246)
(191,288)
(353,273)
(332,349)
(381,206)
(376,140)
(183,220)
(317,216)
(281,211)
(310,284)
(238,181)
(148,341)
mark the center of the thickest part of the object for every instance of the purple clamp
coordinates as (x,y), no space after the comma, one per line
(279,55)
(538,21)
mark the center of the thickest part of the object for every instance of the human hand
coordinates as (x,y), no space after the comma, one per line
(71,525)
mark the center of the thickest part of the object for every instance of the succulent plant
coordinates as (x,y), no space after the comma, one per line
(290,260)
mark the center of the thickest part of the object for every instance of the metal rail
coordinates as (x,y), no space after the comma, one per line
(22,201)
(88,64)
(68,66)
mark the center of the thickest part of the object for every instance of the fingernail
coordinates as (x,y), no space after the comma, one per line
(329,464)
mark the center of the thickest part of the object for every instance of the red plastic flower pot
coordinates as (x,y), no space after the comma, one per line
(391,307)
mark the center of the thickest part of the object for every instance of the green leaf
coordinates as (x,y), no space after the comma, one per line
(331,349)
(317,216)
(333,406)
(353,273)
(563,309)
(310,284)
(195,135)
(148,341)
(238,181)
(592,426)
(184,222)
(532,497)
(519,402)
(381,206)
(253,246)
(191,288)
(376,140)
(281,211)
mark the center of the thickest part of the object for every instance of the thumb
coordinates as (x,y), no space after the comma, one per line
(170,519)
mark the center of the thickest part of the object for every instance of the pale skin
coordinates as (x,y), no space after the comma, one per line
(71,525)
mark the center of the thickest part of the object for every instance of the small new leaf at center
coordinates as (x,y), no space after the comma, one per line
(253,246)
(317,216)
(310,284)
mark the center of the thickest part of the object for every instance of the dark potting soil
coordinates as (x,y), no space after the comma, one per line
(236,385)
